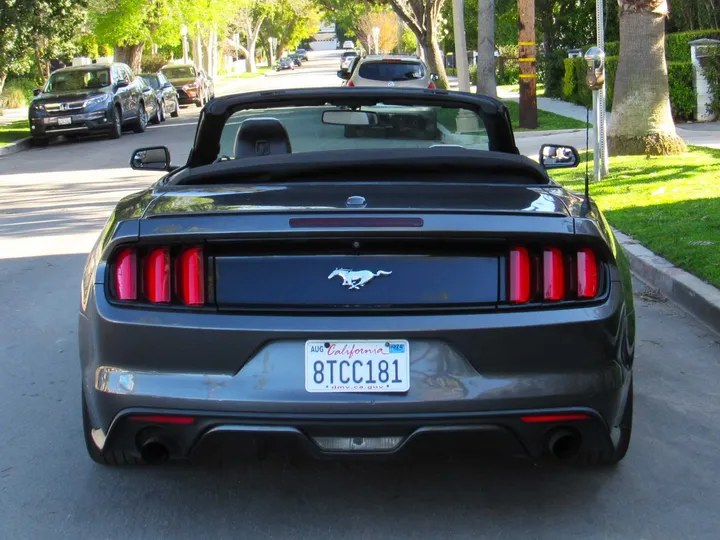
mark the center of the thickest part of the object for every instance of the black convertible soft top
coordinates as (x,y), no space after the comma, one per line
(438,164)
(206,146)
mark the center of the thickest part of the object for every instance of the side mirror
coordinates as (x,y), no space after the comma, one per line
(344,74)
(555,156)
(167,85)
(122,84)
(155,158)
(37,91)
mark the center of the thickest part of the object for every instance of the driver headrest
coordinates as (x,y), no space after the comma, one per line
(261,137)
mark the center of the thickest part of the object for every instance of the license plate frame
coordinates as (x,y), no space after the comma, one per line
(345,362)
(64,120)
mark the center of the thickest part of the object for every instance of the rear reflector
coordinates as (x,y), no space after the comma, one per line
(157,276)
(587,273)
(553,274)
(191,277)
(161,419)
(553,418)
(519,275)
(126,275)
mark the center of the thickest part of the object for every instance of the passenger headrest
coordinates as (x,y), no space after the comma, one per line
(261,137)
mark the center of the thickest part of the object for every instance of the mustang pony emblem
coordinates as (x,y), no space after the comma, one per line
(354,279)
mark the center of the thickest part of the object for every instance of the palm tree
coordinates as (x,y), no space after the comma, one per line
(641,121)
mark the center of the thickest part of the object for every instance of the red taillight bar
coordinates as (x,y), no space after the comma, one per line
(191,277)
(161,419)
(157,276)
(547,418)
(587,273)
(126,275)
(519,275)
(553,275)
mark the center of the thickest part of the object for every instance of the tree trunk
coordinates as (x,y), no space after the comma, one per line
(486,48)
(251,68)
(641,121)
(433,59)
(130,55)
(3,76)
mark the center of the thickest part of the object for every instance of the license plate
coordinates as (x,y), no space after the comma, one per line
(357,366)
(64,121)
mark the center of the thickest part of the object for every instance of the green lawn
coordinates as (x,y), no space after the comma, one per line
(546,120)
(669,204)
(247,75)
(12,132)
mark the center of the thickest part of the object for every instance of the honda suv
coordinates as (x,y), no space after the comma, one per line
(400,71)
(88,99)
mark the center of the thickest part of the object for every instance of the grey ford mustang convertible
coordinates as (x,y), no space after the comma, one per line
(293,287)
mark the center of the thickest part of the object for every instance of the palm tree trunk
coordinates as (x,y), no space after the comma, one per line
(486,83)
(641,121)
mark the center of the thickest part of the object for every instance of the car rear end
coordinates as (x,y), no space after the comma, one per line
(392,71)
(495,319)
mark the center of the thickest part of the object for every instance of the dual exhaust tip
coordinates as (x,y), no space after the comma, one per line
(564,444)
(153,450)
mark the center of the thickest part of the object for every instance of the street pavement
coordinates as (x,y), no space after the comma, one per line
(53,202)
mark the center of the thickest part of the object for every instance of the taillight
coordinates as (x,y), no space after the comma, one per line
(157,276)
(519,275)
(157,269)
(191,277)
(587,273)
(350,83)
(553,275)
(431,85)
(126,275)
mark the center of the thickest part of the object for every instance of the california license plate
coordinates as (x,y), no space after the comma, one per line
(357,366)
(64,121)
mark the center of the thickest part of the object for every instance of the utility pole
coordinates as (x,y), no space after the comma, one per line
(526,58)
(461,60)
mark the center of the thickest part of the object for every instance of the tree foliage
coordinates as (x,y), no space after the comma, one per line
(291,21)
(388,24)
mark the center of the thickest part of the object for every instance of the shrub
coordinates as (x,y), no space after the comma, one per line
(18,93)
(677,48)
(682,95)
(711,67)
(151,63)
(551,69)
(511,72)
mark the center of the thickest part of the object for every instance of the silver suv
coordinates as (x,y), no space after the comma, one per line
(389,70)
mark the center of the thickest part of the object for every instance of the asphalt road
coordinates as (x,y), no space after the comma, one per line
(53,201)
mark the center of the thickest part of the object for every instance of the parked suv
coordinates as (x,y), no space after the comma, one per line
(388,70)
(192,84)
(88,99)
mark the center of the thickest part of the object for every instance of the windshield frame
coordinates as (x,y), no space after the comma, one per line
(81,72)
(207,142)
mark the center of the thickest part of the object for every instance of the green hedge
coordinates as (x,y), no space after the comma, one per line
(18,92)
(550,69)
(677,48)
(682,95)
(711,67)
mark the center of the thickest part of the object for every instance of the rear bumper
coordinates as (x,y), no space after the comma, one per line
(211,434)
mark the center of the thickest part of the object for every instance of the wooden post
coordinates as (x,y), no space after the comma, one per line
(526,58)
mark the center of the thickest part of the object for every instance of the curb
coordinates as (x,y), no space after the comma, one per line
(15,147)
(698,298)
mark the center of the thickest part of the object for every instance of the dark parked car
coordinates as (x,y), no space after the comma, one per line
(165,92)
(284,64)
(302,53)
(97,98)
(295,59)
(192,84)
(289,288)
